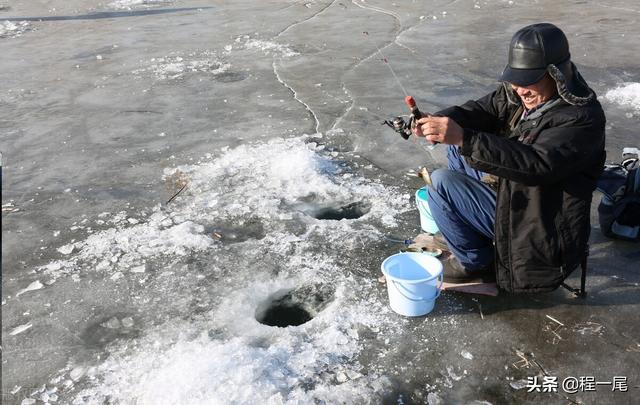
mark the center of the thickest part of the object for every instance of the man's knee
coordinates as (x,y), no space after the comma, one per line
(443,179)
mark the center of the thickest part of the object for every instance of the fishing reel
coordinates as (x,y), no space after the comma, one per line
(400,125)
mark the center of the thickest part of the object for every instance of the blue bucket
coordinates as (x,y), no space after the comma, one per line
(413,282)
(426,220)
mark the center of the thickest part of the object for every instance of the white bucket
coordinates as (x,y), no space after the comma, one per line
(426,220)
(413,282)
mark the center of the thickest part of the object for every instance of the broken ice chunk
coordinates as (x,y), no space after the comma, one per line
(77,373)
(116,276)
(466,355)
(20,328)
(66,249)
(113,323)
(518,385)
(434,399)
(453,375)
(36,285)
(139,269)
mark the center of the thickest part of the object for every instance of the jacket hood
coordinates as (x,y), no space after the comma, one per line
(575,92)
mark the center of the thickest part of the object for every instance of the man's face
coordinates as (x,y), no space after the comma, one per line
(536,93)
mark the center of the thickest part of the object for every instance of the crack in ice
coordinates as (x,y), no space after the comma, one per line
(306,19)
(295,96)
(379,10)
(346,112)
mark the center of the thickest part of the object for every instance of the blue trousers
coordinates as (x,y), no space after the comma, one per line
(464,210)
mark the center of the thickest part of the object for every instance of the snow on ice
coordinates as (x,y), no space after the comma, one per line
(129,4)
(627,95)
(270,47)
(177,66)
(13,29)
(251,180)
(36,285)
(199,360)
(20,329)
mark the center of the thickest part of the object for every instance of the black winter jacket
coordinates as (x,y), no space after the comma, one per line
(547,167)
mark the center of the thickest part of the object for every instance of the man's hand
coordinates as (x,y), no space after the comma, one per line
(439,129)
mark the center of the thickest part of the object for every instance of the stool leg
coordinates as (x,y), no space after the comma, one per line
(583,277)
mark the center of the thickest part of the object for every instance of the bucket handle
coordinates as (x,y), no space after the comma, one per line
(399,287)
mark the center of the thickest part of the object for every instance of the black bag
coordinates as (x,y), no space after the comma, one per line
(619,209)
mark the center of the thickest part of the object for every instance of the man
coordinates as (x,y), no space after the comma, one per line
(541,135)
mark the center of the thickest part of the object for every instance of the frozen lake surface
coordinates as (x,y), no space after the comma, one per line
(173,175)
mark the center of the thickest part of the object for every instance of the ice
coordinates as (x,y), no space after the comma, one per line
(36,285)
(174,67)
(123,247)
(20,328)
(519,384)
(627,95)
(270,47)
(264,181)
(588,328)
(466,355)
(159,300)
(113,323)
(171,367)
(139,269)
(77,373)
(66,249)
(13,29)
(128,4)
(434,399)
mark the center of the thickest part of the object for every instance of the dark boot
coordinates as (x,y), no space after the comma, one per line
(456,273)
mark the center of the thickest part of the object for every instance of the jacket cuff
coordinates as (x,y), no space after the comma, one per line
(467,139)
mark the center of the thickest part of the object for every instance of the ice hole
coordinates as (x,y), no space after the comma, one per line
(350,211)
(283,314)
(294,307)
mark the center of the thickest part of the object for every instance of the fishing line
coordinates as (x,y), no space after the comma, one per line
(386,61)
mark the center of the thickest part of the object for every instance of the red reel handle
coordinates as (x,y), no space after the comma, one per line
(411,103)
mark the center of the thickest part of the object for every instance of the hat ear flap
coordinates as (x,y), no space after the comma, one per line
(563,89)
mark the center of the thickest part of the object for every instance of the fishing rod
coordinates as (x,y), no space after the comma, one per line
(399,124)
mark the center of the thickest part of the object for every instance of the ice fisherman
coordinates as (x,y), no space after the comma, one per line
(541,136)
